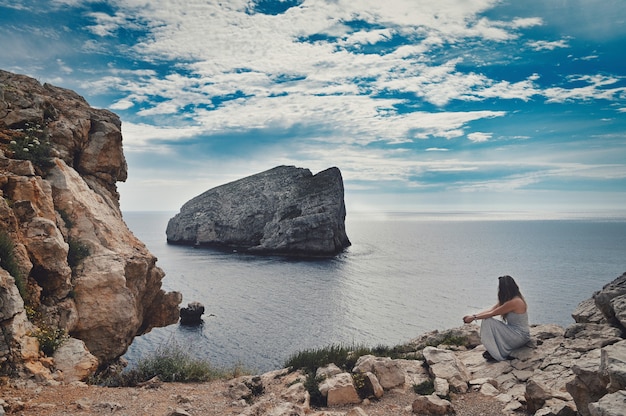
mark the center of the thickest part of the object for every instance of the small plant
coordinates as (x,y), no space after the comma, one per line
(342,356)
(170,363)
(76,253)
(311,384)
(32,144)
(451,339)
(66,219)
(50,339)
(425,388)
(362,385)
(8,262)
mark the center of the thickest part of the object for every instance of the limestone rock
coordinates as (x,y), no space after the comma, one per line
(415,372)
(536,395)
(446,365)
(386,370)
(589,384)
(586,337)
(284,210)
(588,312)
(339,390)
(604,297)
(431,405)
(83,270)
(613,365)
(372,384)
(327,371)
(74,360)
(610,405)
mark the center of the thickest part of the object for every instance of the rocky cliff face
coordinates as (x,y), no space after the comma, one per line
(64,241)
(285,210)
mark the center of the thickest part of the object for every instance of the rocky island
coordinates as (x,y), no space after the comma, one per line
(285,210)
(76,286)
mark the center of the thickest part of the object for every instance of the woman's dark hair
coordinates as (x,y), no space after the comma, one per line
(507,290)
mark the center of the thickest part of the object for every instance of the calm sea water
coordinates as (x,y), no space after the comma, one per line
(402,276)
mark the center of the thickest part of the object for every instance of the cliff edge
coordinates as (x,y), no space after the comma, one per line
(70,267)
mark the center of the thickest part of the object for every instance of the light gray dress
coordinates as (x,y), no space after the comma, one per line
(500,338)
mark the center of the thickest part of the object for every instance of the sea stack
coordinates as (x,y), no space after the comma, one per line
(285,210)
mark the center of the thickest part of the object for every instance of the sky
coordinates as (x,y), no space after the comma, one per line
(424,105)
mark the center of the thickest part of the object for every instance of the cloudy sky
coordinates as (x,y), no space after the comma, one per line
(424,105)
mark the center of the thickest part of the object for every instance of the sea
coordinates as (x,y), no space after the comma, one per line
(404,274)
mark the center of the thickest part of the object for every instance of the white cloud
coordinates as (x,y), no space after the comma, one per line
(479,137)
(597,89)
(544,45)
(106,25)
(236,72)
(124,104)
(142,137)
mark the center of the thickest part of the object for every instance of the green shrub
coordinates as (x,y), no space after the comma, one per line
(66,219)
(448,338)
(342,356)
(451,339)
(8,262)
(76,253)
(311,384)
(170,363)
(50,339)
(425,388)
(32,144)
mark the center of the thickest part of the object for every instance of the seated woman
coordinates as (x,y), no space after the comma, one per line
(502,337)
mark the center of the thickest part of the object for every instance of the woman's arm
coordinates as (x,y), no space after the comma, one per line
(513,305)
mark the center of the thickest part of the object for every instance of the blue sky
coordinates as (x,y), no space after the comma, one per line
(448,105)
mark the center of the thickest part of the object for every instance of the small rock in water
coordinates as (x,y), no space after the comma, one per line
(192,314)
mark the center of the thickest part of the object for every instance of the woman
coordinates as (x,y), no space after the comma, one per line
(502,337)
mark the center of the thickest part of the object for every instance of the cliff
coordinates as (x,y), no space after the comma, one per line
(284,210)
(70,266)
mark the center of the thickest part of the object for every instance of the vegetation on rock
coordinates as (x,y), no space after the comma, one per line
(169,363)
(32,143)
(8,262)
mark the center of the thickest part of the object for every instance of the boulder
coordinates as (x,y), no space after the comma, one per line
(613,365)
(327,371)
(610,405)
(387,371)
(431,405)
(604,301)
(589,384)
(74,360)
(339,390)
(284,210)
(373,385)
(445,364)
(192,314)
(587,312)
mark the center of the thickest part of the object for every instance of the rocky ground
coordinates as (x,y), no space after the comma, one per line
(548,378)
(578,370)
(209,399)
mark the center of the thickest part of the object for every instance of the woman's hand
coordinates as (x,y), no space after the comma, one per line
(468,319)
